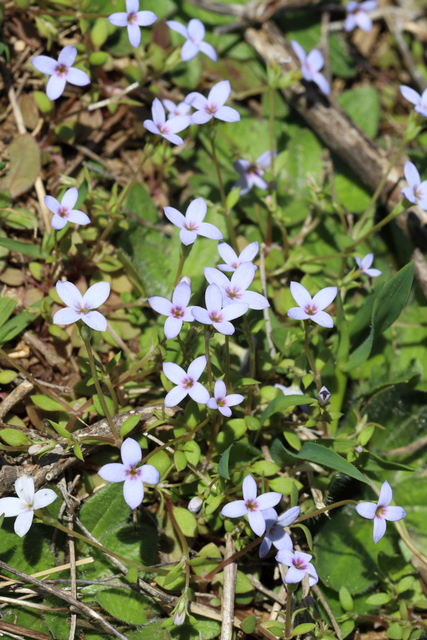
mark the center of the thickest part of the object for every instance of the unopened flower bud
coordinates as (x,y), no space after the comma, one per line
(186,279)
(179,618)
(34,449)
(358,448)
(323,395)
(195,504)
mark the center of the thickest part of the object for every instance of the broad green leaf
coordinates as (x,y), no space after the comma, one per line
(363,105)
(7,306)
(46,403)
(14,437)
(186,521)
(24,165)
(223,464)
(7,376)
(128,606)
(281,403)
(151,631)
(129,424)
(378,599)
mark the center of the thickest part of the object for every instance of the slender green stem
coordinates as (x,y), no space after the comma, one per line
(328,507)
(382,182)
(213,440)
(378,226)
(184,253)
(54,523)
(227,362)
(223,197)
(252,362)
(183,349)
(268,237)
(98,386)
(288,617)
(183,438)
(316,374)
(208,361)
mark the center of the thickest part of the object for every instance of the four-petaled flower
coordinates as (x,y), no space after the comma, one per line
(82,307)
(61,71)
(299,564)
(312,308)
(217,316)
(63,212)
(221,401)
(234,291)
(133,19)
(194,34)
(275,534)
(177,310)
(420,101)
(166,128)
(252,172)
(364,265)
(357,15)
(213,105)
(180,109)
(133,478)
(232,261)
(252,506)
(381,511)
(192,224)
(417,190)
(186,382)
(25,504)
(310,66)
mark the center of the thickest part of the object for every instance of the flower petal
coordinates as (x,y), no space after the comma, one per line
(66,316)
(160,305)
(201,315)
(225,411)
(325,297)
(226,328)
(133,492)
(234,509)
(312,573)
(322,83)
(219,93)
(373,273)
(349,23)
(234,310)
(299,51)
(208,230)
(199,393)
(315,60)
(172,327)
(68,55)
(95,320)
(208,50)
(175,396)
(250,489)
(196,211)
(151,127)
(43,498)
(52,204)
(149,474)
(212,404)
(234,399)
(178,123)
(227,114)
(96,295)
(58,222)
(69,294)
(118,19)
(11,507)
(363,21)
(296,313)
(55,87)
(386,495)
(254,300)
(174,216)
(367,260)
(78,217)
(268,500)
(265,546)
(196,100)
(134,34)
(196,29)
(264,160)
(201,117)
(77,77)
(189,51)
(289,516)
(408,93)
(178,27)
(281,539)
(214,276)
(174,372)
(366,509)
(244,275)
(132,6)
(380,527)
(368,5)
(323,318)
(411,174)
(300,294)
(285,556)
(226,252)
(409,194)
(294,575)
(158,112)
(394,513)
(213,298)
(220,390)
(187,237)
(44,64)
(113,472)
(197,367)
(256,522)
(145,18)
(23,522)
(130,452)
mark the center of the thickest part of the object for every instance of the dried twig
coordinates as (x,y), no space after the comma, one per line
(230,573)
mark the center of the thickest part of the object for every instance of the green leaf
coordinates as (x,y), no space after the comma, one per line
(46,403)
(346,600)
(249,624)
(26,248)
(233,198)
(303,628)
(7,307)
(98,406)
(7,376)
(378,599)
(186,521)
(129,424)
(60,430)
(14,437)
(78,452)
(180,461)
(281,403)
(388,306)
(24,165)
(128,606)
(363,105)
(320,454)
(223,464)
(151,631)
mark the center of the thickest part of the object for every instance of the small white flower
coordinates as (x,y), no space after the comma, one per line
(364,265)
(27,502)
(82,307)
(64,211)
(194,35)
(133,19)
(221,401)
